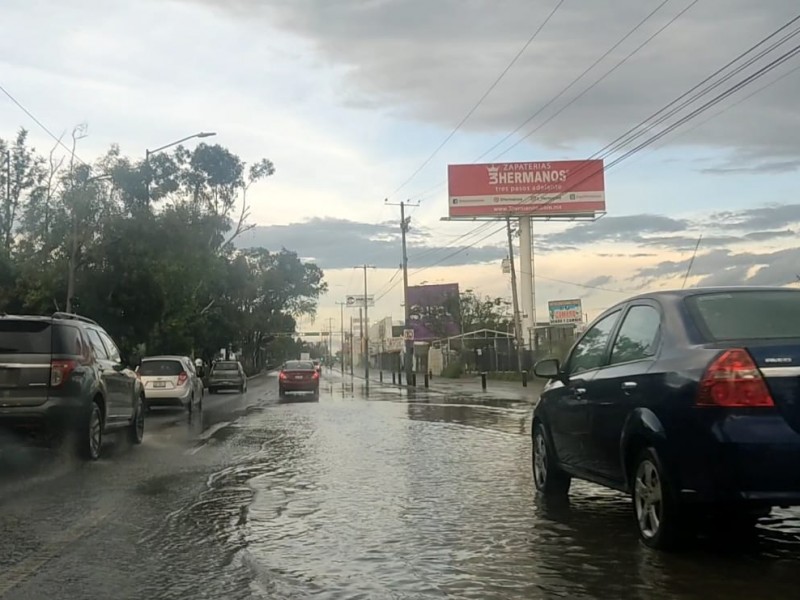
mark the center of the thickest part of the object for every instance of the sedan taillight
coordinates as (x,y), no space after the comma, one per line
(282,375)
(733,380)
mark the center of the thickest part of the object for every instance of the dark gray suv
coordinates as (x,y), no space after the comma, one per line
(63,374)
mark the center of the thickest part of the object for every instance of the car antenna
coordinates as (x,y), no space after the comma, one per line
(691,262)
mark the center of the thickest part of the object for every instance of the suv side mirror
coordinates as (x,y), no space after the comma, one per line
(549,368)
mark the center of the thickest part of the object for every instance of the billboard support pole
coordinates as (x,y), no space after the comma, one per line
(517,325)
(526,274)
(351,345)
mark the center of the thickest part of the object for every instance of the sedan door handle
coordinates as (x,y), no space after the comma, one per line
(629,385)
(580,391)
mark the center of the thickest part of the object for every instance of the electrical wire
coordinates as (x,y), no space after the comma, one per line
(733,89)
(480,101)
(586,71)
(621,62)
(42,125)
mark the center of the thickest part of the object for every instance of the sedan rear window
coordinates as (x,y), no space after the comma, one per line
(298,365)
(160,368)
(226,366)
(747,315)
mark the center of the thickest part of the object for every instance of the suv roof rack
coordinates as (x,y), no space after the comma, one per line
(65,315)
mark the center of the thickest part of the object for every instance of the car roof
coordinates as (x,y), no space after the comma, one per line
(677,294)
(165,357)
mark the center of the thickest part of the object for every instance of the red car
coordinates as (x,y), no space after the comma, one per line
(298,376)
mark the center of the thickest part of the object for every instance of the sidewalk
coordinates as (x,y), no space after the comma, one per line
(469,386)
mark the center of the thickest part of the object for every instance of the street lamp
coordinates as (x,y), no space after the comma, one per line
(147,153)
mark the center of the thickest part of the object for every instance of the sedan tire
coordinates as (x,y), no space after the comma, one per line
(549,479)
(136,428)
(656,509)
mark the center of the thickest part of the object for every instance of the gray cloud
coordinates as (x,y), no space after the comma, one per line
(723,267)
(431,60)
(612,229)
(658,231)
(339,243)
(764,217)
(598,281)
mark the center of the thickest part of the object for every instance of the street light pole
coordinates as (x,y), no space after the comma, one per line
(365,324)
(341,321)
(148,153)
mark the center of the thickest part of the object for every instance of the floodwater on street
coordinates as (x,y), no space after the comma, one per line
(389,496)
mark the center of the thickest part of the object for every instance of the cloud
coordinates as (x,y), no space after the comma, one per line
(612,229)
(761,218)
(340,243)
(598,281)
(724,267)
(430,61)
(649,230)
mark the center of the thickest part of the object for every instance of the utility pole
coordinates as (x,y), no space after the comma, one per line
(517,324)
(351,345)
(330,340)
(365,324)
(341,321)
(404,222)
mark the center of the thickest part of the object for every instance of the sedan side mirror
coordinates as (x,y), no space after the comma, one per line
(549,368)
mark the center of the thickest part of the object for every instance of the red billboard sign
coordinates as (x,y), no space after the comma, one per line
(546,189)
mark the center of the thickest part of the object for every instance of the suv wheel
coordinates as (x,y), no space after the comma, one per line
(655,505)
(548,478)
(90,433)
(136,428)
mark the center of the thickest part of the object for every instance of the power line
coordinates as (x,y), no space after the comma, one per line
(598,81)
(41,125)
(424,194)
(485,95)
(586,71)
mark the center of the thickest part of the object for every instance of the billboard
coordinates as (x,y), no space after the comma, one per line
(435,311)
(357,301)
(563,312)
(571,188)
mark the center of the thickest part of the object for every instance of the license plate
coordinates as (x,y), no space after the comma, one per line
(298,377)
(160,384)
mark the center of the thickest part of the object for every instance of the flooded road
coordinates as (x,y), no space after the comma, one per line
(352,497)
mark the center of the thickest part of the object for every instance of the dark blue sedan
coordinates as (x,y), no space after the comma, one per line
(688,400)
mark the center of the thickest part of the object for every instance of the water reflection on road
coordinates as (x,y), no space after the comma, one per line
(386,498)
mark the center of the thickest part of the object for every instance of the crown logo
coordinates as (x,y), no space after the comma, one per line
(494,171)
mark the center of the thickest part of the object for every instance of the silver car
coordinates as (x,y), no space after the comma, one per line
(227,375)
(171,381)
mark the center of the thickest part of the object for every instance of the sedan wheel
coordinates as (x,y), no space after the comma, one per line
(548,478)
(657,512)
(136,428)
(649,499)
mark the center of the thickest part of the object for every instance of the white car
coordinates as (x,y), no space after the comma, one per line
(171,381)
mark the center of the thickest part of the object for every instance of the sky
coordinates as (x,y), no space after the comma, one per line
(355,102)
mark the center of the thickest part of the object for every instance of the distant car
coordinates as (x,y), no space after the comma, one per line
(171,381)
(227,375)
(688,400)
(298,376)
(64,374)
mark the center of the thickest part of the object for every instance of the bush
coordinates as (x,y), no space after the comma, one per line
(453,371)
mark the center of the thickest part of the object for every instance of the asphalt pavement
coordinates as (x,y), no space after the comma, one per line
(379,493)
